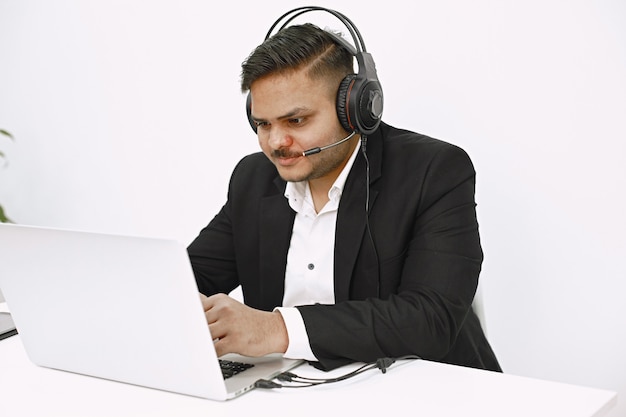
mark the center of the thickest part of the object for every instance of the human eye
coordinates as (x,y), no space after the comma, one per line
(296,121)
(260,124)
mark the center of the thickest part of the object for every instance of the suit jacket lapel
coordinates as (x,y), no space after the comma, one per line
(351,217)
(275,235)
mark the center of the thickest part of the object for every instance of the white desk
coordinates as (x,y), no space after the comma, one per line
(417,388)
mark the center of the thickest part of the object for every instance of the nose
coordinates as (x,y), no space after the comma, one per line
(278,138)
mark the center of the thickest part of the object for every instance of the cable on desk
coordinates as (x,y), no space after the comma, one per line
(303,382)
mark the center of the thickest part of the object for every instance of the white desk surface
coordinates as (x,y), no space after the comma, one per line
(420,388)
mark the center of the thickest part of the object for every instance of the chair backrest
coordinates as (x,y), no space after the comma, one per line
(479,308)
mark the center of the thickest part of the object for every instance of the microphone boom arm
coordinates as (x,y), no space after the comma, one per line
(318,149)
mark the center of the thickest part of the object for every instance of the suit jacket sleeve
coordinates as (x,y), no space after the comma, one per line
(246,243)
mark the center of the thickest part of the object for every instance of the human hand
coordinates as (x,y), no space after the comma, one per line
(237,328)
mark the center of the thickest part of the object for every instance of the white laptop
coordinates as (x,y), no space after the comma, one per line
(116,307)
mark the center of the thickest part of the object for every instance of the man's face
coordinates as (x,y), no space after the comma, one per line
(294,113)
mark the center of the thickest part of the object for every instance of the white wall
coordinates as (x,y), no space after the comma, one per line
(128,118)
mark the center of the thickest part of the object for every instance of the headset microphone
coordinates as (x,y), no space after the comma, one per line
(313,151)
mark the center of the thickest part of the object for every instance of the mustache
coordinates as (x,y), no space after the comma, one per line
(285,153)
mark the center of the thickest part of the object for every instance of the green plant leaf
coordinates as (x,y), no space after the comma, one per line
(5,133)
(3,217)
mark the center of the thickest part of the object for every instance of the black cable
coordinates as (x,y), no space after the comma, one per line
(382,363)
(367,209)
(290,377)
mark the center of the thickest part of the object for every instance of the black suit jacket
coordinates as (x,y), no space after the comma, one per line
(405,275)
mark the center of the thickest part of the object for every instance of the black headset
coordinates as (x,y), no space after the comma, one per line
(360,96)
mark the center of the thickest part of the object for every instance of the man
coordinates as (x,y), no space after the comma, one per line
(350,254)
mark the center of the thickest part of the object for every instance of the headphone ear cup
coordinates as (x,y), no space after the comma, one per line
(343,99)
(359,104)
(366,102)
(249,112)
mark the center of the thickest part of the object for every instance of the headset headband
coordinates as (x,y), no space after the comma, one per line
(354,32)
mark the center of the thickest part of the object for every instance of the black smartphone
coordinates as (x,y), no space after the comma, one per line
(7,327)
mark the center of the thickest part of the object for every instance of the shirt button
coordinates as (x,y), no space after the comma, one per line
(311,267)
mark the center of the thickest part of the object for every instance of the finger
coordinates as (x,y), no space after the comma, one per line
(221,347)
(217,331)
(215,300)
(221,342)
(211,315)
(214,307)
(206,302)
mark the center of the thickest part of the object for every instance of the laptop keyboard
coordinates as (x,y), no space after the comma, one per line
(231,368)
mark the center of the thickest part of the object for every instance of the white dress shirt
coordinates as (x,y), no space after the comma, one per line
(309,277)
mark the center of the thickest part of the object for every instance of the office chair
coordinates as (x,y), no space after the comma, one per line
(479,308)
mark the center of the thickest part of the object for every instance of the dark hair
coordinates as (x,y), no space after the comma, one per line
(296,47)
